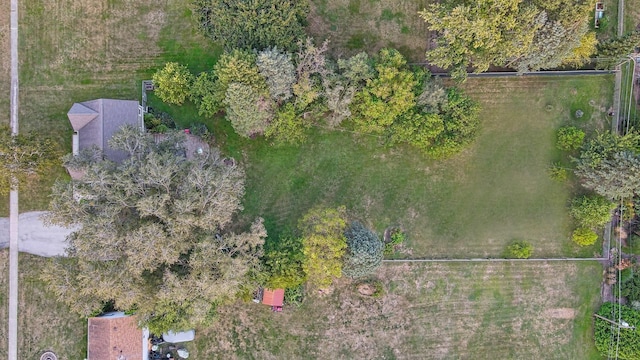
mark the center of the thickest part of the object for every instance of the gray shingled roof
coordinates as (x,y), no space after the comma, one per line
(97,120)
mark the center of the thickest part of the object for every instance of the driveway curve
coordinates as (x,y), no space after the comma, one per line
(34,237)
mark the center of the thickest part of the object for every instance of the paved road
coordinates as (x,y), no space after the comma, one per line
(36,238)
(12,348)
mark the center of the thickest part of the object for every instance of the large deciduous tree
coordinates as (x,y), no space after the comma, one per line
(151,234)
(324,245)
(479,34)
(248,111)
(591,211)
(254,24)
(277,69)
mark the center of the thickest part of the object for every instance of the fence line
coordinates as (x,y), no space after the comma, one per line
(492,260)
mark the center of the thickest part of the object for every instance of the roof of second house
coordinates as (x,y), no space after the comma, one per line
(114,336)
(96,121)
(273,297)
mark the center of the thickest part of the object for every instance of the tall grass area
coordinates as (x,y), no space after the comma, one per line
(472,205)
(435,311)
(72,51)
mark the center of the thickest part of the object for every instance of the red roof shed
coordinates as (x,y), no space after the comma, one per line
(273,297)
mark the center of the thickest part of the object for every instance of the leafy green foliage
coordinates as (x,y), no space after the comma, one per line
(324,244)
(629,345)
(24,156)
(203,94)
(519,250)
(631,287)
(461,122)
(480,34)
(569,138)
(364,251)
(253,24)
(614,178)
(248,111)
(612,52)
(398,237)
(584,236)
(591,211)
(151,234)
(283,261)
(288,127)
(558,172)
(173,83)
(277,69)
(294,295)
(387,96)
(236,67)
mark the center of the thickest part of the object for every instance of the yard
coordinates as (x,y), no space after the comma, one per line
(435,311)
(470,206)
(73,51)
(353,26)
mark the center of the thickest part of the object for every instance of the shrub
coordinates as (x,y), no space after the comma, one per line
(247,109)
(173,83)
(584,236)
(591,211)
(294,295)
(397,238)
(520,250)
(288,127)
(569,138)
(364,251)
(558,173)
(283,262)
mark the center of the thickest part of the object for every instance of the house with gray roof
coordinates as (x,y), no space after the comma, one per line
(95,121)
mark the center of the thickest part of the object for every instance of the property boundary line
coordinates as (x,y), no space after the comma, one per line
(492,260)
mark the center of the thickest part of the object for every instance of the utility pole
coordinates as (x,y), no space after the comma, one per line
(622,324)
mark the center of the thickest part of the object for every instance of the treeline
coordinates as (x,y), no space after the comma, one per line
(280,95)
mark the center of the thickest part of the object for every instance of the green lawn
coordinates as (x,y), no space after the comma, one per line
(435,311)
(471,205)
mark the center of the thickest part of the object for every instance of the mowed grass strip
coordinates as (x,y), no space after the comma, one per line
(473,205)
(429,311)
(43,323)
(5,61)
(353,26)
(73,51)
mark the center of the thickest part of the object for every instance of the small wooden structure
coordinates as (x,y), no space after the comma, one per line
(273,298)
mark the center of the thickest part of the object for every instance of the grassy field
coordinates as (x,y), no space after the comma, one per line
(353,26)
(74,51)
(434,311)
(471,205)
(45,324)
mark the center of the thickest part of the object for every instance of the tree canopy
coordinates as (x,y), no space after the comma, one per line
(24,156)
(173,83)
(524,35)
(324,244)
(151,234)
(629,345)
(253,24)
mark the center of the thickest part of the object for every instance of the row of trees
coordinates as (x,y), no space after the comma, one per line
(525,35)
(278,94)
(329,246)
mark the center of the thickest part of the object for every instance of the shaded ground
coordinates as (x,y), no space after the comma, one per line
(470,206)
(435,311)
